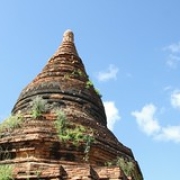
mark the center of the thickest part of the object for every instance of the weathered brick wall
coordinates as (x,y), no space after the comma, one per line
(34,148)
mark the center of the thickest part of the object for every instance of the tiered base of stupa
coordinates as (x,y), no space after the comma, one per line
(34,150)
(66,170)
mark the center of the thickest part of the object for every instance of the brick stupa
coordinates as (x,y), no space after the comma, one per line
(58,127)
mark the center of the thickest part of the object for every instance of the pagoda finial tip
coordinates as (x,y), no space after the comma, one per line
(68,36)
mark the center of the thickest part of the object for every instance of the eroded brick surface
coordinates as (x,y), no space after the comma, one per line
(34,148)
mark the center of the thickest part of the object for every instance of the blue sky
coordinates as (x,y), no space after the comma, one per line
(131,51)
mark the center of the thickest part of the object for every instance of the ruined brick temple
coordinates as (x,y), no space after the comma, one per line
(58,128)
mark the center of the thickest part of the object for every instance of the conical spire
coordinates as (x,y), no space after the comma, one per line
(64,83)
(67,46)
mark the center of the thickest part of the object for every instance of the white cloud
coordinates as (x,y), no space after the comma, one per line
(175,99)
(173,61)
(173,48)
(146,119)
(150,125)
(170,133)
(112,114)
(110,73)
(174,55)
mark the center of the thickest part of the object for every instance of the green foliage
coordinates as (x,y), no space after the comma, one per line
(6,172)
(89,140)
(76,134)
(38,106)
(78,72)
(109,164)
(13,121)
(61,118)
(98,92)
(60,122)
(89,84)
(68,131)
(127,166)
(72,135)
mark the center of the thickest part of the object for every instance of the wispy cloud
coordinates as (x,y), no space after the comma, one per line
(175,99)
(173,48)
(170,133)
(110,73)
(146,119)
(173,61)
(112,114)
(147,122)
(167,88)
(174,55)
